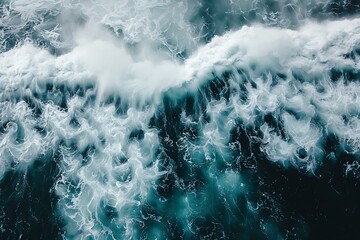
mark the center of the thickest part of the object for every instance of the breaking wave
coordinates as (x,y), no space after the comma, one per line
(179,119)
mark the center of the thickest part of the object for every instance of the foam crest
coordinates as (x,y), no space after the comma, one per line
(277,48)
(103,61)
(144,75)
(288,74)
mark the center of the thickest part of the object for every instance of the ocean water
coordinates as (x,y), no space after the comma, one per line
(179,119)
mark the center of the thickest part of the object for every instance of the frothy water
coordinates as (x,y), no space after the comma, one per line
(179,119)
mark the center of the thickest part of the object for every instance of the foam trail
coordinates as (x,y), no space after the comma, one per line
(103,185)
(252,60)
(107,153)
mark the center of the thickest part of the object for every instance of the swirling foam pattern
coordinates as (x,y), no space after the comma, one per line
(167,119)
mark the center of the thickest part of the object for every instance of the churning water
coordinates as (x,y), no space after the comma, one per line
(191,119)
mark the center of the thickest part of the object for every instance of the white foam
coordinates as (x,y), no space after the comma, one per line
(118,72)
(261,52)
(278,49)
(98,58)
(20,143)
(103,179)
(158,21)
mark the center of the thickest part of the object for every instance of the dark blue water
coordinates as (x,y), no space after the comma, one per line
(179,120)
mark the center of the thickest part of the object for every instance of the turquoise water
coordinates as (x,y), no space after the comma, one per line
(179,119)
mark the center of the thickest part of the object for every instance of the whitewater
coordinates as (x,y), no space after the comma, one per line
(162,119)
